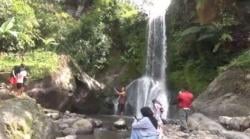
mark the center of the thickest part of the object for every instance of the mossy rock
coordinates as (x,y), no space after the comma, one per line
(22,118)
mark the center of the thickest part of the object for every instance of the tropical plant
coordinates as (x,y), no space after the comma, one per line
(213,33)
(6,28)
(23,21)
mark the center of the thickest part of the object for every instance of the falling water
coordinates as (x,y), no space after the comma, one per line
(142,91)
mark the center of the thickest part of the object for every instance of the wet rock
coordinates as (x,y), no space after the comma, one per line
(68,137)
(63,125)
(83,126)
(75,124)
(120,124)
(52,113)
(96,123)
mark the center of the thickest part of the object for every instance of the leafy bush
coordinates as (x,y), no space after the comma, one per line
(35,24)
(197,50)
(88,43)
(108,30)
(25,25)
(49,16)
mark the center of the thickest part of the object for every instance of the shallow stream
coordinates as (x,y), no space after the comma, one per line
(108,131)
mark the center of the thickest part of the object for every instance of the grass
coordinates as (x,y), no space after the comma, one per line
(39,63)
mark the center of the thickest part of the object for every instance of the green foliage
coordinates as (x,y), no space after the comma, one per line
(25,24)
(6,27)
(52,33)
(34,24)
(109,29)
(242,61)
(39,63)
(197,51)
(7,33)
(88,43)
(214,33)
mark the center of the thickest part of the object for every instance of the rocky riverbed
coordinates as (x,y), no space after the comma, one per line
(201,127)
(21,117)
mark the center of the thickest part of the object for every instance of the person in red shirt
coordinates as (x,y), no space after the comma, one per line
(185,99)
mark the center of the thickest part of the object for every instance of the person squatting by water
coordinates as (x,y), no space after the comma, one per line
(122,96)
(146,127)
(185,99)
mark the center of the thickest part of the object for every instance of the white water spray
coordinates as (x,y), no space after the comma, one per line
(151,86)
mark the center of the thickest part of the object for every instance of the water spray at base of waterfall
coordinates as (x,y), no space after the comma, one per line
(115,103)
(141,93)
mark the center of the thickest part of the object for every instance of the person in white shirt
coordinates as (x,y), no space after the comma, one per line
(158,110)
(20,79)
(145,128)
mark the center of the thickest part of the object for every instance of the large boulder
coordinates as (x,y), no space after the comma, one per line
(227,95)
(199,122)
(65,88)
(22,118)
(235,123)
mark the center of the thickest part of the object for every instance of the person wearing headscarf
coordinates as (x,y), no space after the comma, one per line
(146,127)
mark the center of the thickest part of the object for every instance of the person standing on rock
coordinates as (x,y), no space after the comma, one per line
(145,128)
(12,80)
(20,79)
(185,99)
(158,110)
(122,96)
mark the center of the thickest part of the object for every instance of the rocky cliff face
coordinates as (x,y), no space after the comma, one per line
(227,95)
(66,88)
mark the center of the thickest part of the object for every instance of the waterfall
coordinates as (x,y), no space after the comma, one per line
(151,85)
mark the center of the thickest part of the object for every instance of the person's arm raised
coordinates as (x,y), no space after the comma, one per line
(116,91)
